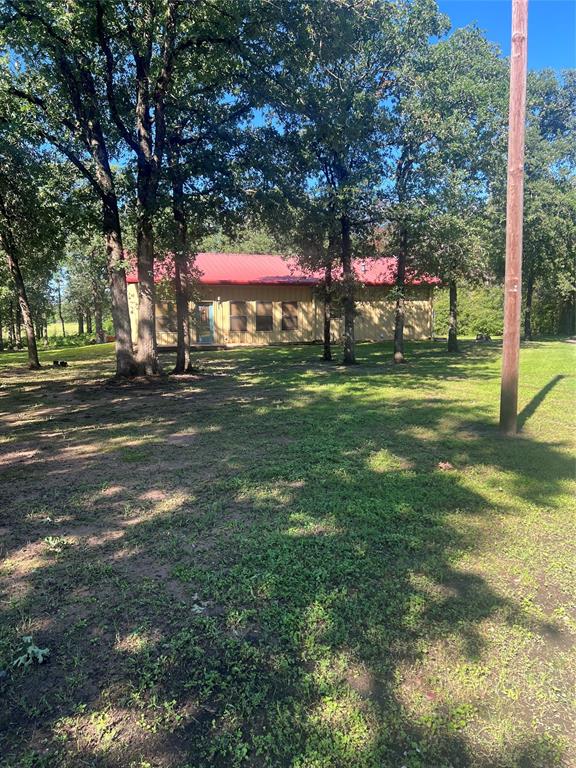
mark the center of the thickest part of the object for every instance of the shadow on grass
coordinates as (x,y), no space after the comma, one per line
(531,407)
(243,570)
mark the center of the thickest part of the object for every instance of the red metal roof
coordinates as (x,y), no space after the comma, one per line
(272,269)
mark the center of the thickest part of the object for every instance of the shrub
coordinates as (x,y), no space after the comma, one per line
(480,310)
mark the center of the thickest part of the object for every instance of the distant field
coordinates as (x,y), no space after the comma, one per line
(55,329)
(278,563)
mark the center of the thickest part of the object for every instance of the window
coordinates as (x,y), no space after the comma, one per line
(289,315)
(238,316)
(264,320)
(166,320)
(204,315)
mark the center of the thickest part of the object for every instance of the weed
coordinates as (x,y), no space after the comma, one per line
(31,653)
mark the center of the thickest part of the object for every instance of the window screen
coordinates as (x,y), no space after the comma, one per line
(238,316)
(264,319)
(289,315)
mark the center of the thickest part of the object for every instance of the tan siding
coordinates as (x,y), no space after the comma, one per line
(133,309)
(418,318)
(375,320)
(223,294)
(166,328)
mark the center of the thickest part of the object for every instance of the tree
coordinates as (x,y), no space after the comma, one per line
(447,116)
(298,218)
(550,193)
(94,70)
(137,43)
(171,55)
(30,235)
(449,242)
(307,231)
(40,296)
(6,293)
(332,97)
(315,239)
(53,67)
(58,281)
(248,237)
(549,230)
(86,281)
(207,154)
(549,242)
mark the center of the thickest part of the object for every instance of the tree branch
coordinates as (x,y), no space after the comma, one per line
(37,101)
(76,162)
(110,68)
(29,15)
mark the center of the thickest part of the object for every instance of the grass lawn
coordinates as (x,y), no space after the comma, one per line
(55,328)
(282,563)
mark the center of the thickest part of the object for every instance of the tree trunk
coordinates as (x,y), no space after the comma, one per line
(98,318)
(567,319)
(117,280)
(112,232)
(400,299)
(151,87)
(1,334)
(11,330)
(14,268)
(60,311)
(80,324)
(327,354)
(453,318)
(151,139)
(88,321)
(349,357)
(18,316)
(183,362)
(528,308)
(147,362)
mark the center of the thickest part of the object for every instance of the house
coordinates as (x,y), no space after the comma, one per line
(254,299)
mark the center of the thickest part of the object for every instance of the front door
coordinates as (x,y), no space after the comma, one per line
(205,323)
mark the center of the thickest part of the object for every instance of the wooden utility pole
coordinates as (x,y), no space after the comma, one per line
(514,219)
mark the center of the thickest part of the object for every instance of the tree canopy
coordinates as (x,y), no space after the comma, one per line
(326,130)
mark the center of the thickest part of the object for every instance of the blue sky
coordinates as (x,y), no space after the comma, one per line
(551,27)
